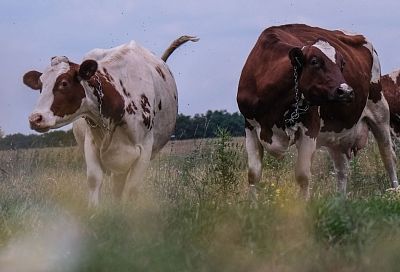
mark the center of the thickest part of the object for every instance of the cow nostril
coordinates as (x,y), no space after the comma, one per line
(344,90)
(36,118)
(340,91)
(344,93)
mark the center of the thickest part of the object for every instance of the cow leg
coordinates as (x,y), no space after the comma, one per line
(118,183)
(255,153)
(388,158)
(306,147)
(378,121)
(93,170)
(341,164)
(137,171)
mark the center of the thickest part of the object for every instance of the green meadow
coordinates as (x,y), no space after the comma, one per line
(192,213)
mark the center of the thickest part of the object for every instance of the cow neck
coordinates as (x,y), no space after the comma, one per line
(97,119)
(300,106)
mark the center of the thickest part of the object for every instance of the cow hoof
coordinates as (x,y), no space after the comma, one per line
(304,193)
(253,195)
(394,189)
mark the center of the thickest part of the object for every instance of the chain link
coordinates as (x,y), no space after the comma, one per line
(99,91)
(90,122)
(295,115)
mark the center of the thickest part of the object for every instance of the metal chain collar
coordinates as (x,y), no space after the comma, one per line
(99,91)
(298,109)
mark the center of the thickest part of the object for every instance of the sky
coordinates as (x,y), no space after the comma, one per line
(206,73)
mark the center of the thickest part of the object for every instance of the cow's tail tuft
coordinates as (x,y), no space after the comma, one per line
(175,44)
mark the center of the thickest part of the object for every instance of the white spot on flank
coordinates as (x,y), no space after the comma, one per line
(327,49)
(376,67)
(394,75)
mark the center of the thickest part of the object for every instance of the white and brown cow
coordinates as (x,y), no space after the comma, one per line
(313,87)
(391,91)
(128,100)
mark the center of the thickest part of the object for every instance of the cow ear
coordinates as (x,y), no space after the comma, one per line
(87,69)
(32,80)
(296,57)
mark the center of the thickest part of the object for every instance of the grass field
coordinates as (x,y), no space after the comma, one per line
(192,214)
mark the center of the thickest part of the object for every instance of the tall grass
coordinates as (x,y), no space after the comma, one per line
(192,214)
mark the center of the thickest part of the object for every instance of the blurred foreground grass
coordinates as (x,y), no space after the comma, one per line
(193,215)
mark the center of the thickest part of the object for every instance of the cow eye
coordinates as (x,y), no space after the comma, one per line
(64,83)
(315,62)
(342,65)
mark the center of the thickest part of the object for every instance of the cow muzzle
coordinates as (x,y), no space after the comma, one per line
(344,93)
(36,122)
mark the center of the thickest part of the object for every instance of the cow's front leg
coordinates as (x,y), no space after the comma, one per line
(136,173)
(255,154)
(341,164)
(94,171)
(118,184)
(306,147)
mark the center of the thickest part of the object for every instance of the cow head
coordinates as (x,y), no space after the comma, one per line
(61,92)
(320,69)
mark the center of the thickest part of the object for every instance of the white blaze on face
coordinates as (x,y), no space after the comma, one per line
(59,65)
(327,49)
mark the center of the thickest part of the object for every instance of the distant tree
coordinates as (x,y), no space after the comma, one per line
(207,125)
(51,139)
(187,127)
(2,134)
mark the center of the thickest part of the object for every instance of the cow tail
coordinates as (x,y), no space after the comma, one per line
(175,44)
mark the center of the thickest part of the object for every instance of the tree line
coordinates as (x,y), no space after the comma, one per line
(187,127)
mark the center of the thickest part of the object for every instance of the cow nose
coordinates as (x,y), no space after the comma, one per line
(35,119)
(345,93)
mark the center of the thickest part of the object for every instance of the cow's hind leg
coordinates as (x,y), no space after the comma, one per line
(378,121)
(306,147)
(341,164)
(255,152)
(94,171)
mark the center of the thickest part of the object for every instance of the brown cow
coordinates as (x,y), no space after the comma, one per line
(313,87)
(391,91)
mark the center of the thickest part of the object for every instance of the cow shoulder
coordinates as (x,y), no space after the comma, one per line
(265,80)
